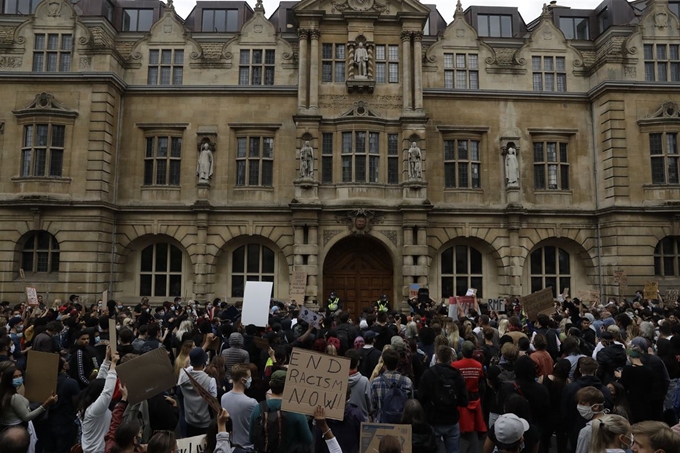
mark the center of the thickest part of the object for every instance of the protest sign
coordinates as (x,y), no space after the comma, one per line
(413,291)
(212,401)
(671,296)
(565,292)
(371,433)
(298,285)
(538,302)
(32,296)
(256,303)
(113,336)
(471,292)
(466,303)
(42,369)
(195,444)
(232,313)
(496,304)
(147,375)
(310,317)
(261,343)
(315,379)
(105,298)
(651,290)
(453,308)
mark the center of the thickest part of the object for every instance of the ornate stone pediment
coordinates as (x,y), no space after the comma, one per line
(360,221)
(391,7)
(45,104)
(360,109)
(667,112)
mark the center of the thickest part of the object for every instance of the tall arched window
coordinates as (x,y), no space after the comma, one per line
(550,266)
(461,268)
(40,253)
(161,271)
(253,263)
(666,257)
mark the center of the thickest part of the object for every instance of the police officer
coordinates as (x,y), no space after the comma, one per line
(382,304)
(333,304)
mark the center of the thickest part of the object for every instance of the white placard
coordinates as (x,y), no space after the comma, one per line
(471,292)
(256,299)
(191,444)
(310,317)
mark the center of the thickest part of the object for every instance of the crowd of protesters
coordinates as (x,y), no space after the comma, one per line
(600,378)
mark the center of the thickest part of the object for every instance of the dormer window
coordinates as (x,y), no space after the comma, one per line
(220,20)
(494,25)
(137,19)
(575,27)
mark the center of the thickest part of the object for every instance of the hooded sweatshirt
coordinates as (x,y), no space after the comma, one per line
(235,353)
(196,409)
(360,396)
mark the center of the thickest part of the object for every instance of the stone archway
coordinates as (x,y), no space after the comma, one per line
(359,270)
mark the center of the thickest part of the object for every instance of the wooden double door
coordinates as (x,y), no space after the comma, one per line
(359,270)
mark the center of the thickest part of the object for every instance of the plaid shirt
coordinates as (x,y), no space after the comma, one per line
(381,385)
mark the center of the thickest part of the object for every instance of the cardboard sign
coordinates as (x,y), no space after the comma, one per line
(195,444)
(371,433)
(651,290)
(671,296)
(105,298)
(256,303)
(298,286)
(471,292)
(413,290)
(453,308)
(147,375)
(42,369)
(113,336)
(565,292)
(32,296)
(310,317)
(232,313)
(538,302)
(315,379)
(496,304)
(261,343)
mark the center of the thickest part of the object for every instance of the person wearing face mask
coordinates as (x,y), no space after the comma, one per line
(590,406)
(14,408)
(240,406)
(611,434)
(16,332)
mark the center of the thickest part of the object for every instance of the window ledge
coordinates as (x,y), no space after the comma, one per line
(161,188)
(661,186)
(254,188)
(553,192)
(43,179)
(463,190)
(38,277)
(367,185)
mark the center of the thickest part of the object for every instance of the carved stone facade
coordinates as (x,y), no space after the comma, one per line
(102,158)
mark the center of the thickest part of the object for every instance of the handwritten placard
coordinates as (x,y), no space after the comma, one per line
(315,379)
(298,286)
(496,304)
(671,296)
(32,296)
(651,290)
(466,303)
(195,444)
(310,317)
(537,302)
(413,290)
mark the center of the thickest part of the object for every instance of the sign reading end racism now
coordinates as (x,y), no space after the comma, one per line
(315,379)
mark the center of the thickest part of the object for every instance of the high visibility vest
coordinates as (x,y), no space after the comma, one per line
(333,304)
(382,306)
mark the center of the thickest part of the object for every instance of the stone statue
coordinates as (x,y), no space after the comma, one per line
(415,162)
(361,59)
(512,167)
(204,166)
(306,161)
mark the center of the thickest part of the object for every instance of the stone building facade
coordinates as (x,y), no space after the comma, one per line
(486,152)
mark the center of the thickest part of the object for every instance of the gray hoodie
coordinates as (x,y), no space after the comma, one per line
(196,409)
(361,392)
(235,354)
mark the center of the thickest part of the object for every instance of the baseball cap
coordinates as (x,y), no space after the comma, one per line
(198,357)
(370,334)
(509,428)
(278,377)
(14,321)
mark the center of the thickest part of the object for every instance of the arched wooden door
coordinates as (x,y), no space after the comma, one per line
(359,270)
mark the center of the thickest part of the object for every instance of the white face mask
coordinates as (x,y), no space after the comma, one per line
(587,412)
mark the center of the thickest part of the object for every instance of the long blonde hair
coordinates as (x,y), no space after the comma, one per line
(184,327)
(503,326)
(605,432)
(182,359)
(454,336)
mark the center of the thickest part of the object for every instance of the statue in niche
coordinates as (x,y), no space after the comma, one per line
(511,167)
(415,162)
(204,166)
(306,161)
(361,59)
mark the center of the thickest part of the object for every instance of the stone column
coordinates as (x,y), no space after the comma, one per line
(315,34)
(418,70)
(303,66)
(201,271)
(406,68)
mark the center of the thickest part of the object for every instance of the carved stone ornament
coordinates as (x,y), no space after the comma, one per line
(668,110)
(360,221)
(661,20)
(360,5)
(44,103)
(54,9)
(10,62)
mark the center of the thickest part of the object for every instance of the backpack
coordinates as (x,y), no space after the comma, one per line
(268,429)
(392,404)
(444,397)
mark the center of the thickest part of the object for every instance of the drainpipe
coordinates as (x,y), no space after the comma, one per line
(115,193)
(597,201)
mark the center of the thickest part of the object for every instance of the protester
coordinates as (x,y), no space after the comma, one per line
(239,406)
